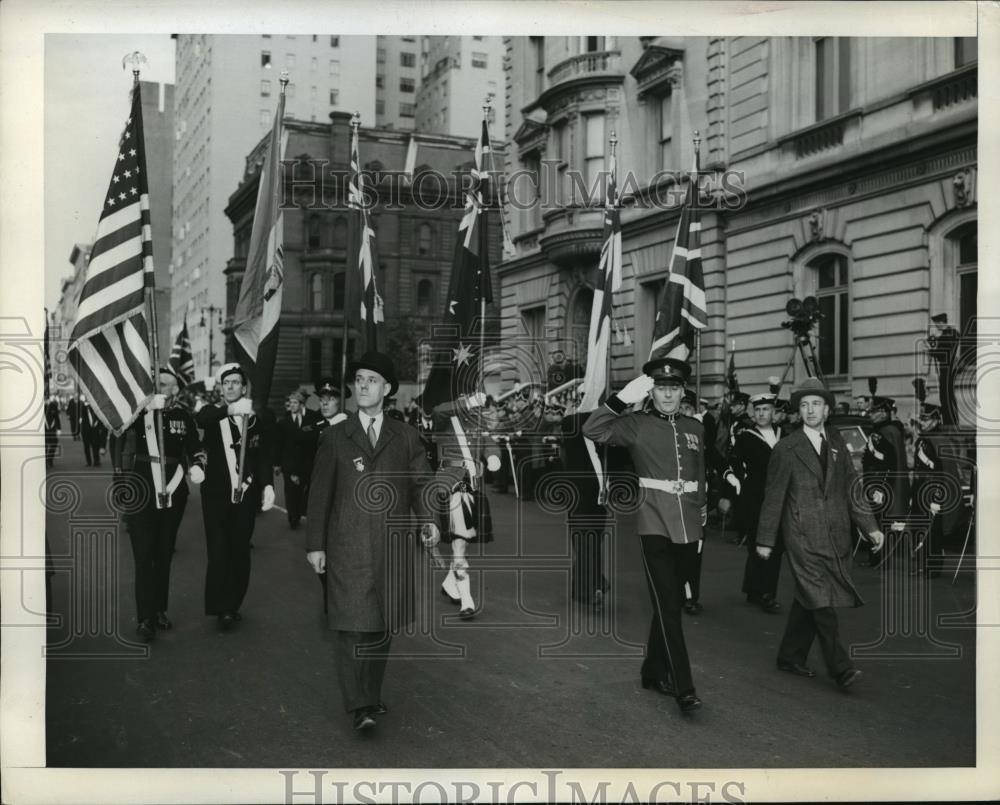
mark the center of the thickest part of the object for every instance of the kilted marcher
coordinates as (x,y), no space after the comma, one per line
(229,506)
(667,449)
(368,564)
(463,442)
(812,497)
(152,529)
(295,448)
(884,466)
(747,474)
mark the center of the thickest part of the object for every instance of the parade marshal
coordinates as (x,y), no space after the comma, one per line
(668,451)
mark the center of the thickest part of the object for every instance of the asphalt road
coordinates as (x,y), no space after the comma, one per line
(535,681)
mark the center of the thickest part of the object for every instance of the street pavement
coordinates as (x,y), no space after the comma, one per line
(534,681)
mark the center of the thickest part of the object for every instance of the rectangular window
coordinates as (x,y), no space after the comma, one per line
(380,107)
(666,131)
(592,44)
(290,90)
(334,67)
(313,64)
(380,81)
(289,60)
(380,56)
(265,58)
(265,88)
(479,59)
(407,85)
(534,323)
(478,38)
(833,329)
(407,59)
(407,110)
(334,97)
(965,50)
(335,41)
(833,76)
(315,359)
(532,189)
(265,118)
(594,160)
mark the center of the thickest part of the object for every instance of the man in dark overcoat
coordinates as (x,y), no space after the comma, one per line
(812,497)
(93,434)
(369,468)
(668,451)
(747,474)
(295,449)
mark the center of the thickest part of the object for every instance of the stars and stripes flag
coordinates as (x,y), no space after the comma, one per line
(255,319)
(181,359)
(681,310)
(455,354)
(109,350)
(361,240)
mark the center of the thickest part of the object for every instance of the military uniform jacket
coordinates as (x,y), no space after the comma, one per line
(814,514)
(181,447)
(748,462)
(884,465)
(669,458)
(222,431)
(936,479)
(463,441)
(354,489)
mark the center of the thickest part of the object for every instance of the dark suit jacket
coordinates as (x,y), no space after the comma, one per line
(297,444)
(815,517)
(355,489)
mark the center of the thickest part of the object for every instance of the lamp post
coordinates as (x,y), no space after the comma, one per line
(215,313)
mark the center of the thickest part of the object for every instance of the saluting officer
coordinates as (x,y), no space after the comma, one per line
(884,465)
(747,474)
(667,449)
(152,529)
(462,439)
(230,497)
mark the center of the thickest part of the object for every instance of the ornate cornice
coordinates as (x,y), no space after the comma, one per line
(658,70)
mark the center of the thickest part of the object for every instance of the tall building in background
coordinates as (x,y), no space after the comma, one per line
(398,62)
(227,88)
(458,73)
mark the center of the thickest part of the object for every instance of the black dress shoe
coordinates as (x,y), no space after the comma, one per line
(662,685)
(769,604)
(163,622)
(226,622)
(379,709)
(693,607)
(363,718)
(796,668)
(688,703)
(848,678)
(467,614)
(146,630)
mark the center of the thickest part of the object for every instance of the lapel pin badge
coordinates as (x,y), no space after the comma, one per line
(359,464)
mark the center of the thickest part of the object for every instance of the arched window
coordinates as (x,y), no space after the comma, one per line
(316,293)
(313,237)
(338,291)
(424,239)
(834,328)
(425,298)
(340,233)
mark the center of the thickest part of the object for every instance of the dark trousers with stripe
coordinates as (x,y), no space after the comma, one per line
(804,626)
(360,659)
(228,530)
(153,534)
(692,571)
(666,565)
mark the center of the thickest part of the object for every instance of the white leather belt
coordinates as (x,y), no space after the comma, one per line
(672,487)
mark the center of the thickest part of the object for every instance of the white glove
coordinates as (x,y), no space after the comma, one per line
(935,508)
(899,525)
(318,560)
(877,538)
(734,482)
(476,400)
(339,418)
(198,405)
(242,407)
(636,390)
(430,535)
(157,403)
(58,432)
(267,500)
(878,498)
(704,515)
(763,552)
(493,463)
(196,474)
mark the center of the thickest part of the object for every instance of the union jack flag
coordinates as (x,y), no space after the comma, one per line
(181,359)
(362,240)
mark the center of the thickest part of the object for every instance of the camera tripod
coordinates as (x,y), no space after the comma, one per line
(802,342)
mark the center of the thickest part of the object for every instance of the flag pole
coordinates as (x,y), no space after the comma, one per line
(697,332)
(355,125)
(602,494)
(163,497)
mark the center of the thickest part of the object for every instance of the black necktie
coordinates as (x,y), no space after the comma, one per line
(823,454)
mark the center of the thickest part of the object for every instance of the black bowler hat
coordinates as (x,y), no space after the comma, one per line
(376,362)
(882,404)
(665,371)
(331,388)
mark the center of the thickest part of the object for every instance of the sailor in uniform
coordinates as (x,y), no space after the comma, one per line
(667,449)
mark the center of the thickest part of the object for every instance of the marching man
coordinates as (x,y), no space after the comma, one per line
(232,494)
(152,529)
(667,449)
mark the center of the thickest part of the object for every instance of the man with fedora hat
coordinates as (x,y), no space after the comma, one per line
(370,468)
(233,493)
(811,498)
(295,454)
(886,475)
(667,450)
(152,526)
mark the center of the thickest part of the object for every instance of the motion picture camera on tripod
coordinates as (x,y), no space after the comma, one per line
(803,314)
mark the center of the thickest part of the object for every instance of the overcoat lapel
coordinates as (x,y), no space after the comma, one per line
(357,434)
(831,464)
(388,431)
(807,455)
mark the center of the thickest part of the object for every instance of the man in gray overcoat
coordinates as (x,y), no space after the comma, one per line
(368,469)
(813,494)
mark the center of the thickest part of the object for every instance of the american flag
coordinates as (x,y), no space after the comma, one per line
(682,308)
(181,359)
(456,360)
(109,345)
(362,244)
(609,280)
